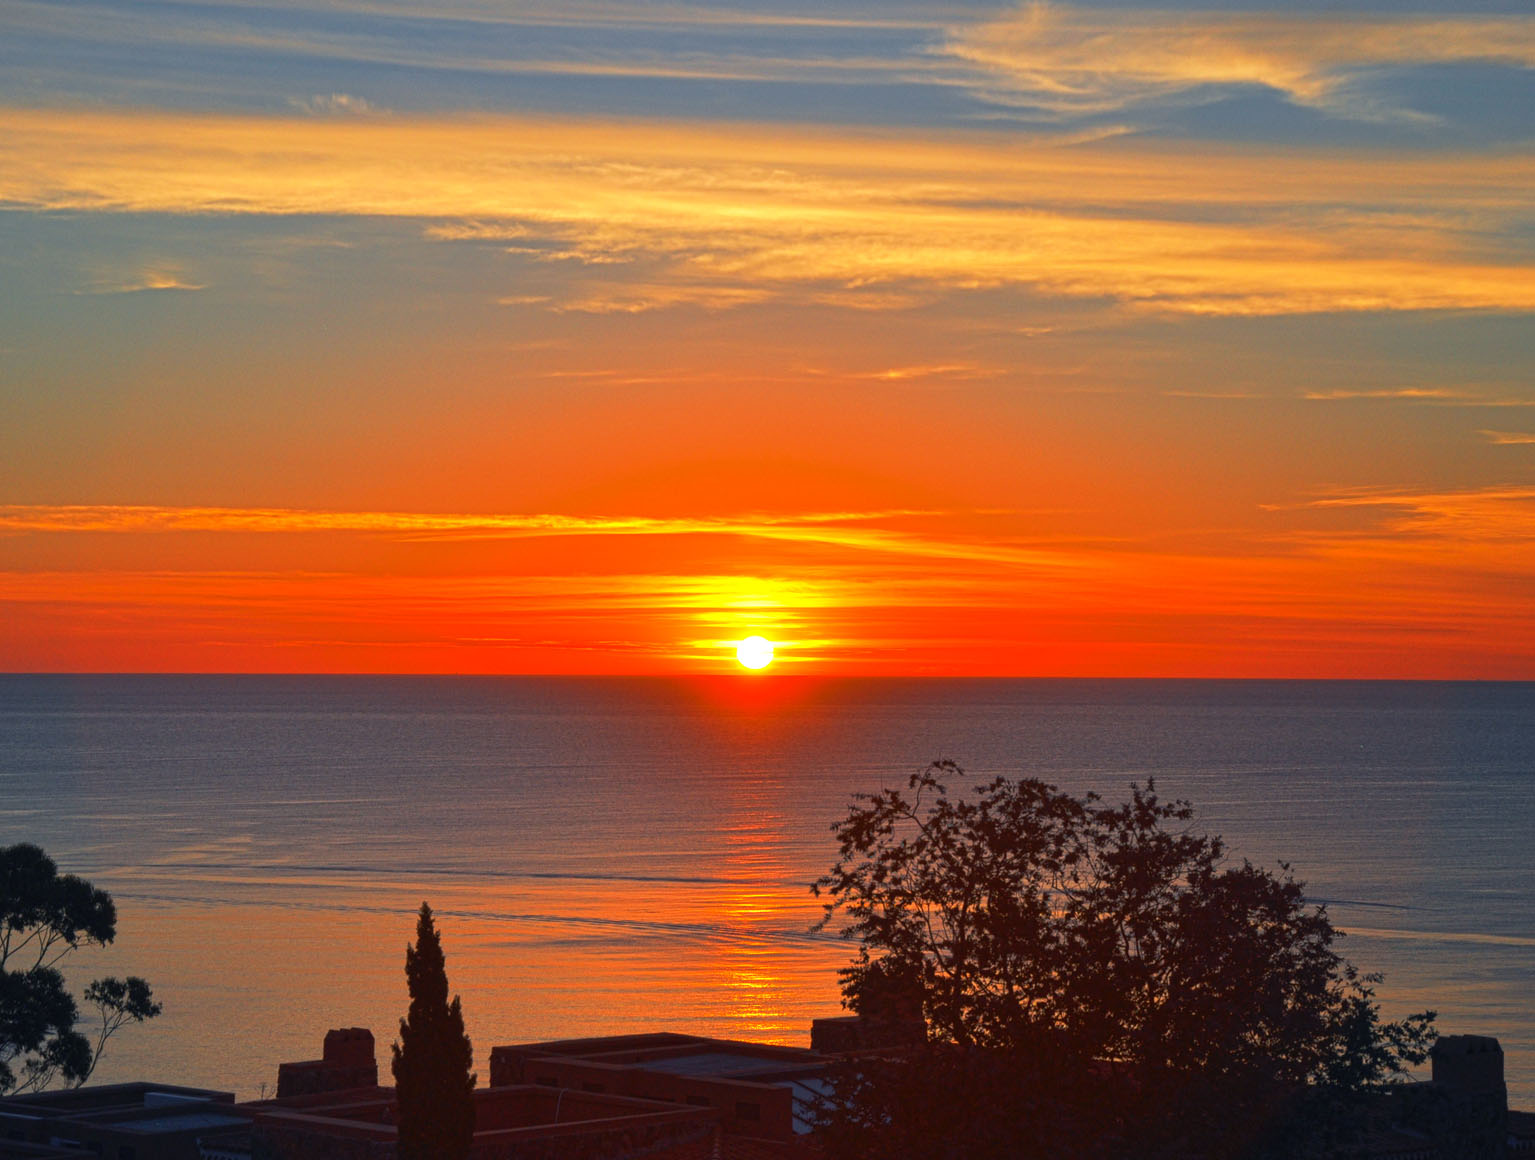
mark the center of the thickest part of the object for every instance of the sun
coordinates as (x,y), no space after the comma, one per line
(755,653)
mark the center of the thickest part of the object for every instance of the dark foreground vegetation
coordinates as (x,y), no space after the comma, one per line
(433,1084)
(45,917)
(1095,980)
(1039,975)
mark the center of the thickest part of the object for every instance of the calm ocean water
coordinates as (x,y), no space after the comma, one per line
(608,855)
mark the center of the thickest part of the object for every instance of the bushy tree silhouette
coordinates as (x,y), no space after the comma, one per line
(1094,978)
(433,1084)
(45,916)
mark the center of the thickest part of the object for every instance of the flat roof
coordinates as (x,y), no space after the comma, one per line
(717,1063)
(72,1101)
(181,1122)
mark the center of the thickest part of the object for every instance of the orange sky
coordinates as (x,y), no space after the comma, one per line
(515,339)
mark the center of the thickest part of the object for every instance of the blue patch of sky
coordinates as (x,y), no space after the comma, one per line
(1452,106)
(1481,104)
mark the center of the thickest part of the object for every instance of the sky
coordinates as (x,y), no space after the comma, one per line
(503,336)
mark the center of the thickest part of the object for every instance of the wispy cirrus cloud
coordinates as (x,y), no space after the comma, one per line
(638,41)
(1078,60)
(916,372)
(336,105)
(1509,438)
(586,14)
(153,278)
(729,216)
(957,370)
(852,530)
(144,518)
(1434,583)
(1493,517)
(638,299)
(563,14)
(1431,396)
(1413,394)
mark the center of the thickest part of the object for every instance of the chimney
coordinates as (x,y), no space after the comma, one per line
(1468,1071)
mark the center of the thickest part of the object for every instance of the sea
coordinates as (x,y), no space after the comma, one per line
(611,855)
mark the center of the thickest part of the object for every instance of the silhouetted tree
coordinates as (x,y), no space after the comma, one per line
(1093,978)
(433,1084)
(44,916)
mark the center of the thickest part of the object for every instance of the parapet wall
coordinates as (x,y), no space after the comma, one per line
(519,1123)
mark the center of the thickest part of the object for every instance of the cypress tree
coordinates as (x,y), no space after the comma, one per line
(433,1084)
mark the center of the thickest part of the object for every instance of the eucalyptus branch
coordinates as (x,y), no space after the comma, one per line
(44,918)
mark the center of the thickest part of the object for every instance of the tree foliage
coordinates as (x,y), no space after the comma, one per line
(1179,999)
(44,917)
(433,1083)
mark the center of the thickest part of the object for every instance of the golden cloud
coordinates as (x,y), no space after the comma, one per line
(728,216)
(1092,60)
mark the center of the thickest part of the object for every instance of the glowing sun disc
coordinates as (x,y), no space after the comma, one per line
(754,652)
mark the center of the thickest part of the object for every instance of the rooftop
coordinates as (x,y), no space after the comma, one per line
(733,1064)
(179,1122)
